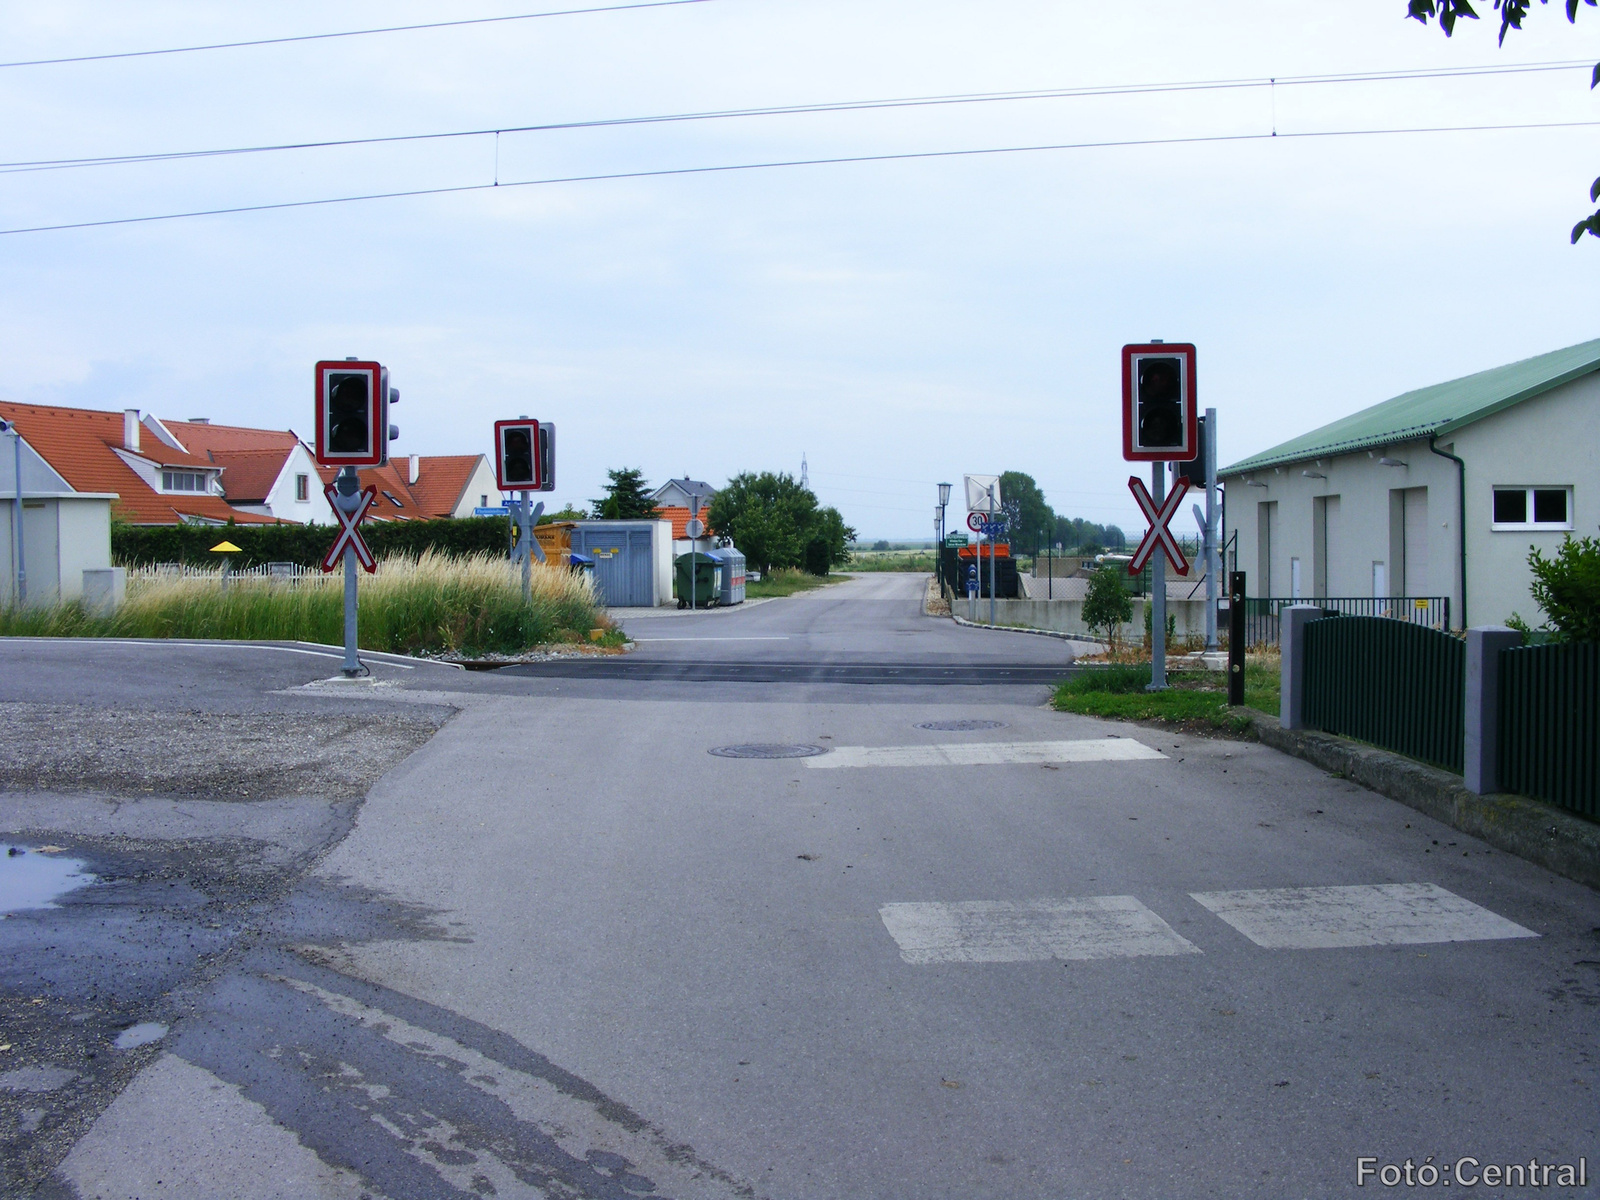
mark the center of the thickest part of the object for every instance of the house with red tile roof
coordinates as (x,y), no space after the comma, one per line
(154,481)
(424,487)
(264,472)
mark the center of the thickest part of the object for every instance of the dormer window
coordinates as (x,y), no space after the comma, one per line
(392,500)
(183,481)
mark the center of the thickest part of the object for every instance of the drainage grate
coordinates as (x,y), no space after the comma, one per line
(961,726)
(768,750)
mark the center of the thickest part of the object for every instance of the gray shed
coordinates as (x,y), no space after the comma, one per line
(632,560)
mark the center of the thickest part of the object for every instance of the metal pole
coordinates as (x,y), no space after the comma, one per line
(1236,635)
(1213,558)
(1158,590)
(993,537)
(347,485)
(523,511)
(21,593)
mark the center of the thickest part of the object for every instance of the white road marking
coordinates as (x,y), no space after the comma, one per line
(987,931)
(986,754)
(1386,914)
(783,638)
(387,660)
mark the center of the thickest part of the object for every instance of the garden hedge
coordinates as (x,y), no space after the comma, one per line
(139,545)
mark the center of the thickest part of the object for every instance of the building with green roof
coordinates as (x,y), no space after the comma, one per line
(1436,492)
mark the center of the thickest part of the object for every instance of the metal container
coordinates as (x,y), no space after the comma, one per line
(733,576)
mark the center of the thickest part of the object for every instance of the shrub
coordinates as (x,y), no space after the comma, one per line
(1567,588)
(457,537)
(1107,606)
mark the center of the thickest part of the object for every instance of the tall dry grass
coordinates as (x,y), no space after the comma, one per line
(428,604)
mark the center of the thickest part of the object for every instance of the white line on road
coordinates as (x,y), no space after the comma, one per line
(784,638)
(986,754)
(1389,914)
(988,931)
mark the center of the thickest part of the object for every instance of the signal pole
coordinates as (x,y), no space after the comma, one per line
(347,483)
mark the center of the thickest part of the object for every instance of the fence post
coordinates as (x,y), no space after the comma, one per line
(1236,636)
(1481,728)
(1292,623)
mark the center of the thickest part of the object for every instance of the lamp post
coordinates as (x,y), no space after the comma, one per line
(944,501)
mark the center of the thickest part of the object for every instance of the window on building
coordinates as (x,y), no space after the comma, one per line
(183,481)
(1532,508)
(483,500)
(392,500)
(302,487)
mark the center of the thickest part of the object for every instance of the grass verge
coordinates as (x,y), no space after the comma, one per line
(786,581)
(1194,698)
(430,604)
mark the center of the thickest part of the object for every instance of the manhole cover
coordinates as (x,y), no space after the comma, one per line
(961,726)
(768,750)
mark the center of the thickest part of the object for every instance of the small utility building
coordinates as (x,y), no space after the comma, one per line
(1437,492)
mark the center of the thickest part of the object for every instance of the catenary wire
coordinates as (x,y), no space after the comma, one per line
(725,168)
(1135,89)
(348,33)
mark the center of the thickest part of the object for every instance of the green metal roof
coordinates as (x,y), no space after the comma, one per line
(1437,410)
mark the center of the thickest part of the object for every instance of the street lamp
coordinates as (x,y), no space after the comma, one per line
(944,500)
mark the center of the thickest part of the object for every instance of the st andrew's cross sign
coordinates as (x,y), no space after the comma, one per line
(349,535)
(1158,533)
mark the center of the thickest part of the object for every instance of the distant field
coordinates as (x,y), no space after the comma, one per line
(890,560)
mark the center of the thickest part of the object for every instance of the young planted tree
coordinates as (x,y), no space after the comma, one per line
(1107,606)
(627,497)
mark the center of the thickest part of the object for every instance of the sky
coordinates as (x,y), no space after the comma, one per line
(897,323)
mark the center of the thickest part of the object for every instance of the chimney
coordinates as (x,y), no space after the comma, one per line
(130,430)
(199,420)
(416,467)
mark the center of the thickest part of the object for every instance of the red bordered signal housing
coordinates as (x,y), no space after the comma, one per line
(517,457)
(352,414)
(1159,415)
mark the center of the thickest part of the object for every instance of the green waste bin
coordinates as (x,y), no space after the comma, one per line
(704,588)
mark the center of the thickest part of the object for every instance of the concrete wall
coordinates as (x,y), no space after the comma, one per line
(1351,512)
(62,536)
(1066,616)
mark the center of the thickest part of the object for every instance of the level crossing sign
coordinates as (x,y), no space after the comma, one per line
(349,535)
(1158,533)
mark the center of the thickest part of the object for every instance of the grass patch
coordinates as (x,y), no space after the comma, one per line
(891,560)
(786,581)
(1192,697)
(430,604)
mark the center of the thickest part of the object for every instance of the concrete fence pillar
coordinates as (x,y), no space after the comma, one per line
(1292,623)
(1481,760)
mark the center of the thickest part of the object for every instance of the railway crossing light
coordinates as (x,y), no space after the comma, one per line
(1159,418)
(517,458)
(352,413)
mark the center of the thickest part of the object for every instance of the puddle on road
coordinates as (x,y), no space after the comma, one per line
(30,879)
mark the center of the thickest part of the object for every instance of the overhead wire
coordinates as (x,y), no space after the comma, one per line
(347,33)
(726,168)
(1136,89)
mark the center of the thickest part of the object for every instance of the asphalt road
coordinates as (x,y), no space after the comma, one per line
(562,950)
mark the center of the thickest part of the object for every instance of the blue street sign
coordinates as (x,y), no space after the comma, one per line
(502,511)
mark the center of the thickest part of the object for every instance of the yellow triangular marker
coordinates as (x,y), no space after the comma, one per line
(225,548)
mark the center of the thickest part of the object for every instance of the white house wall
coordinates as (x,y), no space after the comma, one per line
(1552,440)
(281,502)
(481,491)
(1352,505)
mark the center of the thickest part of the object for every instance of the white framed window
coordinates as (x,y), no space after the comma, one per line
(302,487)
(183,481)
(1523,508)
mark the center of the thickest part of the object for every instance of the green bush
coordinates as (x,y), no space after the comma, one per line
(1567,588)
(1107,605)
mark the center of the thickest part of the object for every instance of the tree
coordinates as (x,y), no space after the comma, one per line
(1511,13)
(776,523)
(1567,588)
(627,497)
(1107,605)
(1025,509)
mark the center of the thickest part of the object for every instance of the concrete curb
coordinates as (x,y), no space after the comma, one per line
(1052,633)
(1520,825)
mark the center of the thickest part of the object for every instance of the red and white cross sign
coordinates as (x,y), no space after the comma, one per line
(349,535)
(1159,534)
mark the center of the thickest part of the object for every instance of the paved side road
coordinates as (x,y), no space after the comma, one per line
(966,946)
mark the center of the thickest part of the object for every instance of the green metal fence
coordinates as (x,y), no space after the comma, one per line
(1550,724)
(1391,683)
(1262,614)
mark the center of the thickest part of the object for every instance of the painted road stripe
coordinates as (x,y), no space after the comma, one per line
(774,638)
(985,754)
(1386,914)
(990,931)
